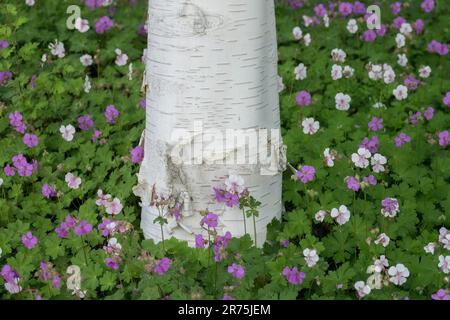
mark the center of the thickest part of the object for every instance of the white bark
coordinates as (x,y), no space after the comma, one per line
(213,61)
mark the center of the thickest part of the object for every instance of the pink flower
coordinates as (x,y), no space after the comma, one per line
(48,191)
(441,294)
(29,241)
(199,241)
(103,24)
(236,270)
(73,182)
(427,5)
(429,113)
(303,98)
(375,124)
(83,228)
(294,276)
(111,114)
(30,140)
(446,99)
(444,138)
(353,184)
(113,207)
(162,266)
(345,8)
(137,154)
(401,139)
(210,220)
(306,173)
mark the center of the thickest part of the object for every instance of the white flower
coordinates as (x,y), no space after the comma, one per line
(424,71)
(336,72)
(377,162)
(389,76)
(375,72)
(378,105)
(281,85)
(297,33)
(67,132)
(86,60)
(81,25)
(73,182)
(444,238)
(13,286)
(307,39)
(348,71)
(401,92)
(405,28)
(130,71)
(57,49)
(381,264)
(338,55)
(311,257)
(360,159)
(29,3)
(300,72)
(444,264)
(114,244)
(352,26)
(400,40)
(429,248)
(362,289)
(310,126)
(342,101)
(329,158)
(113,207)
(121,58)
(320,215)
(342,215)
(398,274)
(383,239)
(234,184)
(402,60)
(326,21)
(87,84)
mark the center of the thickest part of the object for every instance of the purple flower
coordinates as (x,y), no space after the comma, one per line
(320,10)
(441,294)
(353,183)
(142,30)
(162,266)
(295,4)
(199,241)
(429,113)
(48,191)
(85,122)
(369,35)
(371,180)
(143,103)
(112,263)
(5,76)
(390,206)
(30,140)
(303,98)
(111,114)
(83,228)
(16,120)
(210,220)
(293,275)
(137,154)
(306,173)
(345,8)
(225,297)
(103,24)
(418,26)
(444,138)
(236,270)
(56,282)
(29,241)
(220,244)
(359,8)
(62,230)
(375,124)
(285,243)
(97,134)
(401,139)
(446,99)
(437,47)
(104,227)
(414,117)
(382,31)
(24,169)
(398,22)
(411,82)
(4,44)
(427,5)
(9,171)
(396,7)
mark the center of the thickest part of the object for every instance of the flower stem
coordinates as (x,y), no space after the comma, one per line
(162,238)
(83,243)
(245,223)
(254,228)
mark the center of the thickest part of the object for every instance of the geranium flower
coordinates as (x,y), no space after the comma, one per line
(86,60)
(362,289)
(342,215)
(342,101)
(377,162)
(162,266)
(236,270)
(320,215)
(311,257)
(73,182)
(297,33)
(383,239)
(81,25)
(113,207)
(121,58)
(444,264)
(29,241)
(398,274)
(360,159)
(211,220)
(430,247)
(390,207)
(294,276)
(300,72)
(234,184)
(401,92)
(310,126)
(57,49)
(306,173)
(329,157)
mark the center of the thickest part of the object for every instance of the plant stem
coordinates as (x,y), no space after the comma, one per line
(162,237)
(254,228)
(84,250)
(245,223)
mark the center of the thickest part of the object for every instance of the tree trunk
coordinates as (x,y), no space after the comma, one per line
(211,65)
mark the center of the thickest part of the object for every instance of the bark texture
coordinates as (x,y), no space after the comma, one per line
(213,61)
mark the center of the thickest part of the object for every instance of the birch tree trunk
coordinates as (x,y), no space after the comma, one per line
(210,63)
